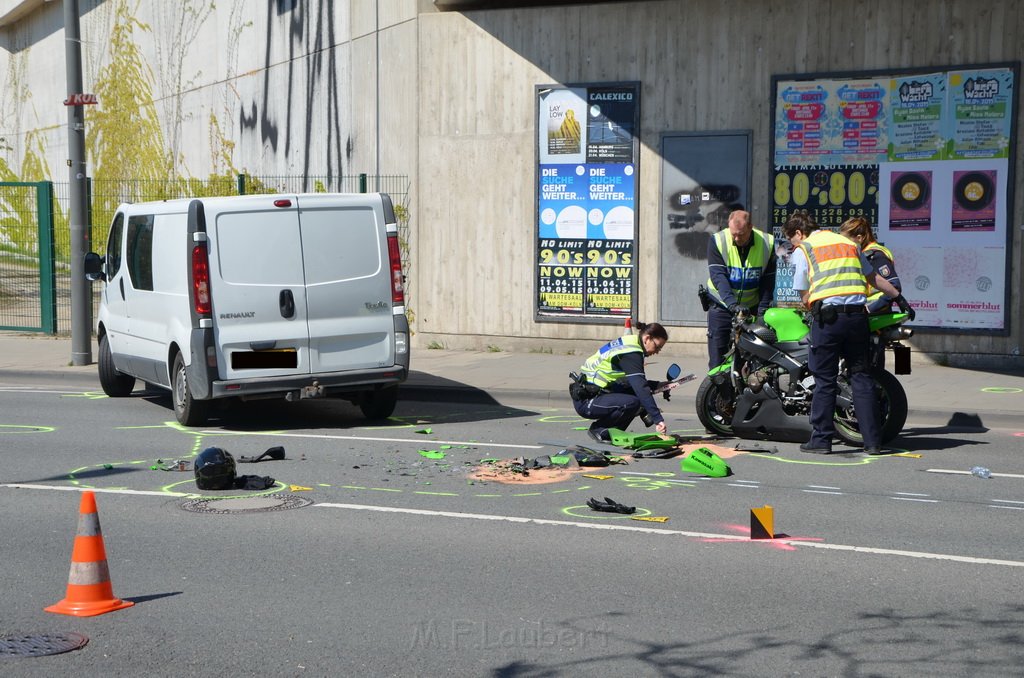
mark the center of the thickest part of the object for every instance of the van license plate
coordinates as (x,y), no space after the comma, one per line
(274,359)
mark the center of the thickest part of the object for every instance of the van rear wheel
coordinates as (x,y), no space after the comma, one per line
(115,384)
(188,410)
(380,403)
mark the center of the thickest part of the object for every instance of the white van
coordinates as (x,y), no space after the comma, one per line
(294,296)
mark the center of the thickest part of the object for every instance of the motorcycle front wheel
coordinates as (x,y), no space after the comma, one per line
(715,408)
(892,408)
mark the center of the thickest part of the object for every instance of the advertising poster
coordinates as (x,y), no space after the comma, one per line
(910,203)
(586,200)
(981,103)
(974,201)
(916,115)
(938,194)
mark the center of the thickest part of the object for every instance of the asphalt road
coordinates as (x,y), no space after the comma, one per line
(400,565)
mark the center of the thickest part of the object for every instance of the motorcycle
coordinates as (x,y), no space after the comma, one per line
(763,388)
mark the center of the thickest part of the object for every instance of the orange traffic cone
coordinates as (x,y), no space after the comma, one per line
(89,591)
(628,326)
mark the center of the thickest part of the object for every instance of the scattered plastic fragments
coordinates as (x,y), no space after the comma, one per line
(432,454)
(651,519)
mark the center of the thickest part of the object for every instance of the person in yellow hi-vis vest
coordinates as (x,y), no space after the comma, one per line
(614,389)
(832,276)
(880,257)
(741,276)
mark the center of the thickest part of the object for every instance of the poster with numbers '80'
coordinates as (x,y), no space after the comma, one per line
(924,156)
(586,210)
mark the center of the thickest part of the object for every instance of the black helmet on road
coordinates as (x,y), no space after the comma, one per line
(215,469)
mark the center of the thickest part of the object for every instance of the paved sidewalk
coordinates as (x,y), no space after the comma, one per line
(542,378)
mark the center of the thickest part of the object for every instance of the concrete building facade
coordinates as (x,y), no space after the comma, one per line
(445,92)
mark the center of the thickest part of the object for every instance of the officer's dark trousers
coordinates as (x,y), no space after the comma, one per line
(847,337)
(609,410)
(719,335)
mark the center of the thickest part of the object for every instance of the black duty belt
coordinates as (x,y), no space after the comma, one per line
(849,309)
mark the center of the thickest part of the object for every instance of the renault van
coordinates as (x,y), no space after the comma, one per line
(293,296)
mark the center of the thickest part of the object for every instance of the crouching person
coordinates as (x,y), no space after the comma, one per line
(613,388)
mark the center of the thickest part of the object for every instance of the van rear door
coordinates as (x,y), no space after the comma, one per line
(257,286)
(348,282)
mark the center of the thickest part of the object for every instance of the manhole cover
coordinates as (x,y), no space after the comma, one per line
(40,645)
(260,504)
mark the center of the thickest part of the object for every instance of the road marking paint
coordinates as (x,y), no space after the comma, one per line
(29,389)
(592,526)
(276,434)
(926,501)
(1006,501)
(913,494)
(682,533)
(749,487)
(823,487)
(820,492)
(967,473)
(153,493)
(1015,508)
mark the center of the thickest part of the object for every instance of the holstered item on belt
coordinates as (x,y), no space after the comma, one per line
(822,314)
(580,388)
(705,297)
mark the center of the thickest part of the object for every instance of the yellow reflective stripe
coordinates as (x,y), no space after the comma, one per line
(598,367)
(757,258)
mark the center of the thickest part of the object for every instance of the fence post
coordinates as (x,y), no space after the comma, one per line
(241,184)
(47,254)
(362,182)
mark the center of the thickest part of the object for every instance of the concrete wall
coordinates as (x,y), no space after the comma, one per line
(704,65)
(447,98)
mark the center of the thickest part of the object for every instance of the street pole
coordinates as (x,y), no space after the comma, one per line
(81,302)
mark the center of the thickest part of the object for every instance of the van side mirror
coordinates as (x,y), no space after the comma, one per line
(94,267)
(673,372)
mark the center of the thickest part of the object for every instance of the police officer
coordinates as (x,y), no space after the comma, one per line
(832,276)
(741,276)
(878,255)
(616,388)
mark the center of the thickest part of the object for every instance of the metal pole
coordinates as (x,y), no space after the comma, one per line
(81,303)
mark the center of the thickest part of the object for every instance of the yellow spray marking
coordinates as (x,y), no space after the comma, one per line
(29,429)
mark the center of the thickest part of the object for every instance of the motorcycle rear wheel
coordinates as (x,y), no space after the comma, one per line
(892,409)
(715,409)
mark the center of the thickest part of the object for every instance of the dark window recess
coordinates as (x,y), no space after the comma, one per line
(264,360)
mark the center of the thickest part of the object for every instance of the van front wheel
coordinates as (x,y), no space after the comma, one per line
(380,403)
(188,410)
(115,384)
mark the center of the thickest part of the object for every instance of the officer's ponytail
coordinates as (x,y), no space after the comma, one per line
(652,330)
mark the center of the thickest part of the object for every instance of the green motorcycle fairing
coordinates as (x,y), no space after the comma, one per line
(788,323)
(882,320)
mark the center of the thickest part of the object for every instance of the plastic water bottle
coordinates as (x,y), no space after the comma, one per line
(981,472)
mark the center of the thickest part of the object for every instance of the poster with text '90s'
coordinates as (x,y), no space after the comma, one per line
(925,157)
(587,154)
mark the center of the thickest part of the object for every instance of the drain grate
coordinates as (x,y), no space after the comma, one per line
(40,645)
(260,504)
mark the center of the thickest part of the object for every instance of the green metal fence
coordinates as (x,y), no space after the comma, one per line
(35,241)
(27,257)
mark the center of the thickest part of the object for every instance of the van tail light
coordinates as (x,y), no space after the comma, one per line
(201,280)
(397,279)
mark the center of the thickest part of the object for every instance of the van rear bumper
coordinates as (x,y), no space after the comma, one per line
(332,382)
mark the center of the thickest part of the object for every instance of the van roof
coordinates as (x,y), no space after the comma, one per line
(181,204)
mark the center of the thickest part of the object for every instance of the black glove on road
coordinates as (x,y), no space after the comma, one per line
(905,307)
(609,506)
